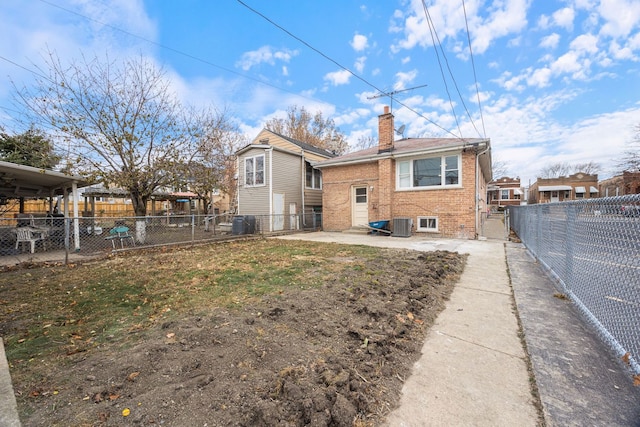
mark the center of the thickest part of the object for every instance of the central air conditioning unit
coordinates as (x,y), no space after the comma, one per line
(402,227)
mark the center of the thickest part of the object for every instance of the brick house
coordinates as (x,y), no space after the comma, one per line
(277,180)
(620,185)
(436,185)
(578,186)
(504,192)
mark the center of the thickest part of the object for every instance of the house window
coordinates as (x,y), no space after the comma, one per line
(504,194)
(313,177)
(429,172)
(254,171)
(427,223)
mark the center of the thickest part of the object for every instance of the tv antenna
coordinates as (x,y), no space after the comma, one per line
(390,94)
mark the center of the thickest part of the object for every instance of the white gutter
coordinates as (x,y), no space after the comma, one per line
(487,148)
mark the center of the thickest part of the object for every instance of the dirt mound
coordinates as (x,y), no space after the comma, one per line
(335,355)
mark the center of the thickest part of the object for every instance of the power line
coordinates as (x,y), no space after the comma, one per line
(179,52)
(455,83)
(473,65)
(343,67)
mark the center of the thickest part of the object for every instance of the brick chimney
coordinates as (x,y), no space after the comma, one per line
(385,131)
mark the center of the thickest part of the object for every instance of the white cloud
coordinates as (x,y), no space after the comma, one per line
(585,43)
(337,78)
(540,77)
(564,18)
(359,42)
(359,65)
(405,60)
(403,78)
(551,41)
(265,55)
(511,19)
(621,17)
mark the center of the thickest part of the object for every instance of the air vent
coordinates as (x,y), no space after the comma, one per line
(402,227)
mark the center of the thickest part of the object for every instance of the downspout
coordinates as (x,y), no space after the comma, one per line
(237,196)
(477,179)
(270,151)
(303,182)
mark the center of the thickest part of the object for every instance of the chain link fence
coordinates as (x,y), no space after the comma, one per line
(592,249)
(31,237)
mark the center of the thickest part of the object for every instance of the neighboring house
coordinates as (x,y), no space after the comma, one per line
(565,188)
(504,192)
(430,185)
(277,179)
(620,185)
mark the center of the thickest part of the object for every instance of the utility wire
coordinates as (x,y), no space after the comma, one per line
(444,79)
(343,67)
(473,65)
(240,74)
(450,71)
(179,52)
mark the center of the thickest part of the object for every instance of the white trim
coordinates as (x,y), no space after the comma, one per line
(441,186)
(264,174)
(427,229)
(554,187)
(593,189)
(581,190)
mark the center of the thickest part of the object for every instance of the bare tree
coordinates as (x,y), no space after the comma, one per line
(499,169)
(312,129)
(588,168)
(364,142)
(555,170)
(630,161)
(214,166)
(559,169)
(123,125)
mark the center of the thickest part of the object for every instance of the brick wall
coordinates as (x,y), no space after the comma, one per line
(454,208)
(337,184)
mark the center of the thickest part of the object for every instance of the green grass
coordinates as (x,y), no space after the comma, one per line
(51,312)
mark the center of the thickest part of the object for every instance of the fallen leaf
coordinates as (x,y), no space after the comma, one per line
(626,357)
(132,376)
(636,380)
(113,396)
(126,412)
(400,318)
(410,315)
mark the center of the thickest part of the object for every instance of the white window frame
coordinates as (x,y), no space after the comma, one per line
(316,177)
(427,229)
(405,172)
(503,193)
(253,182)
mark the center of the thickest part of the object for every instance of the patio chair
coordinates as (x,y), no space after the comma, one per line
(27,235)
(120,233)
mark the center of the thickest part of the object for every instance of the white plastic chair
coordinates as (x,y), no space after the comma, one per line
(26,235)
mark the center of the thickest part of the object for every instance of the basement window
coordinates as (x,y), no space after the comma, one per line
(428,224)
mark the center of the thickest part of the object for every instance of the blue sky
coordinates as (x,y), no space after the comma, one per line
(554,81)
